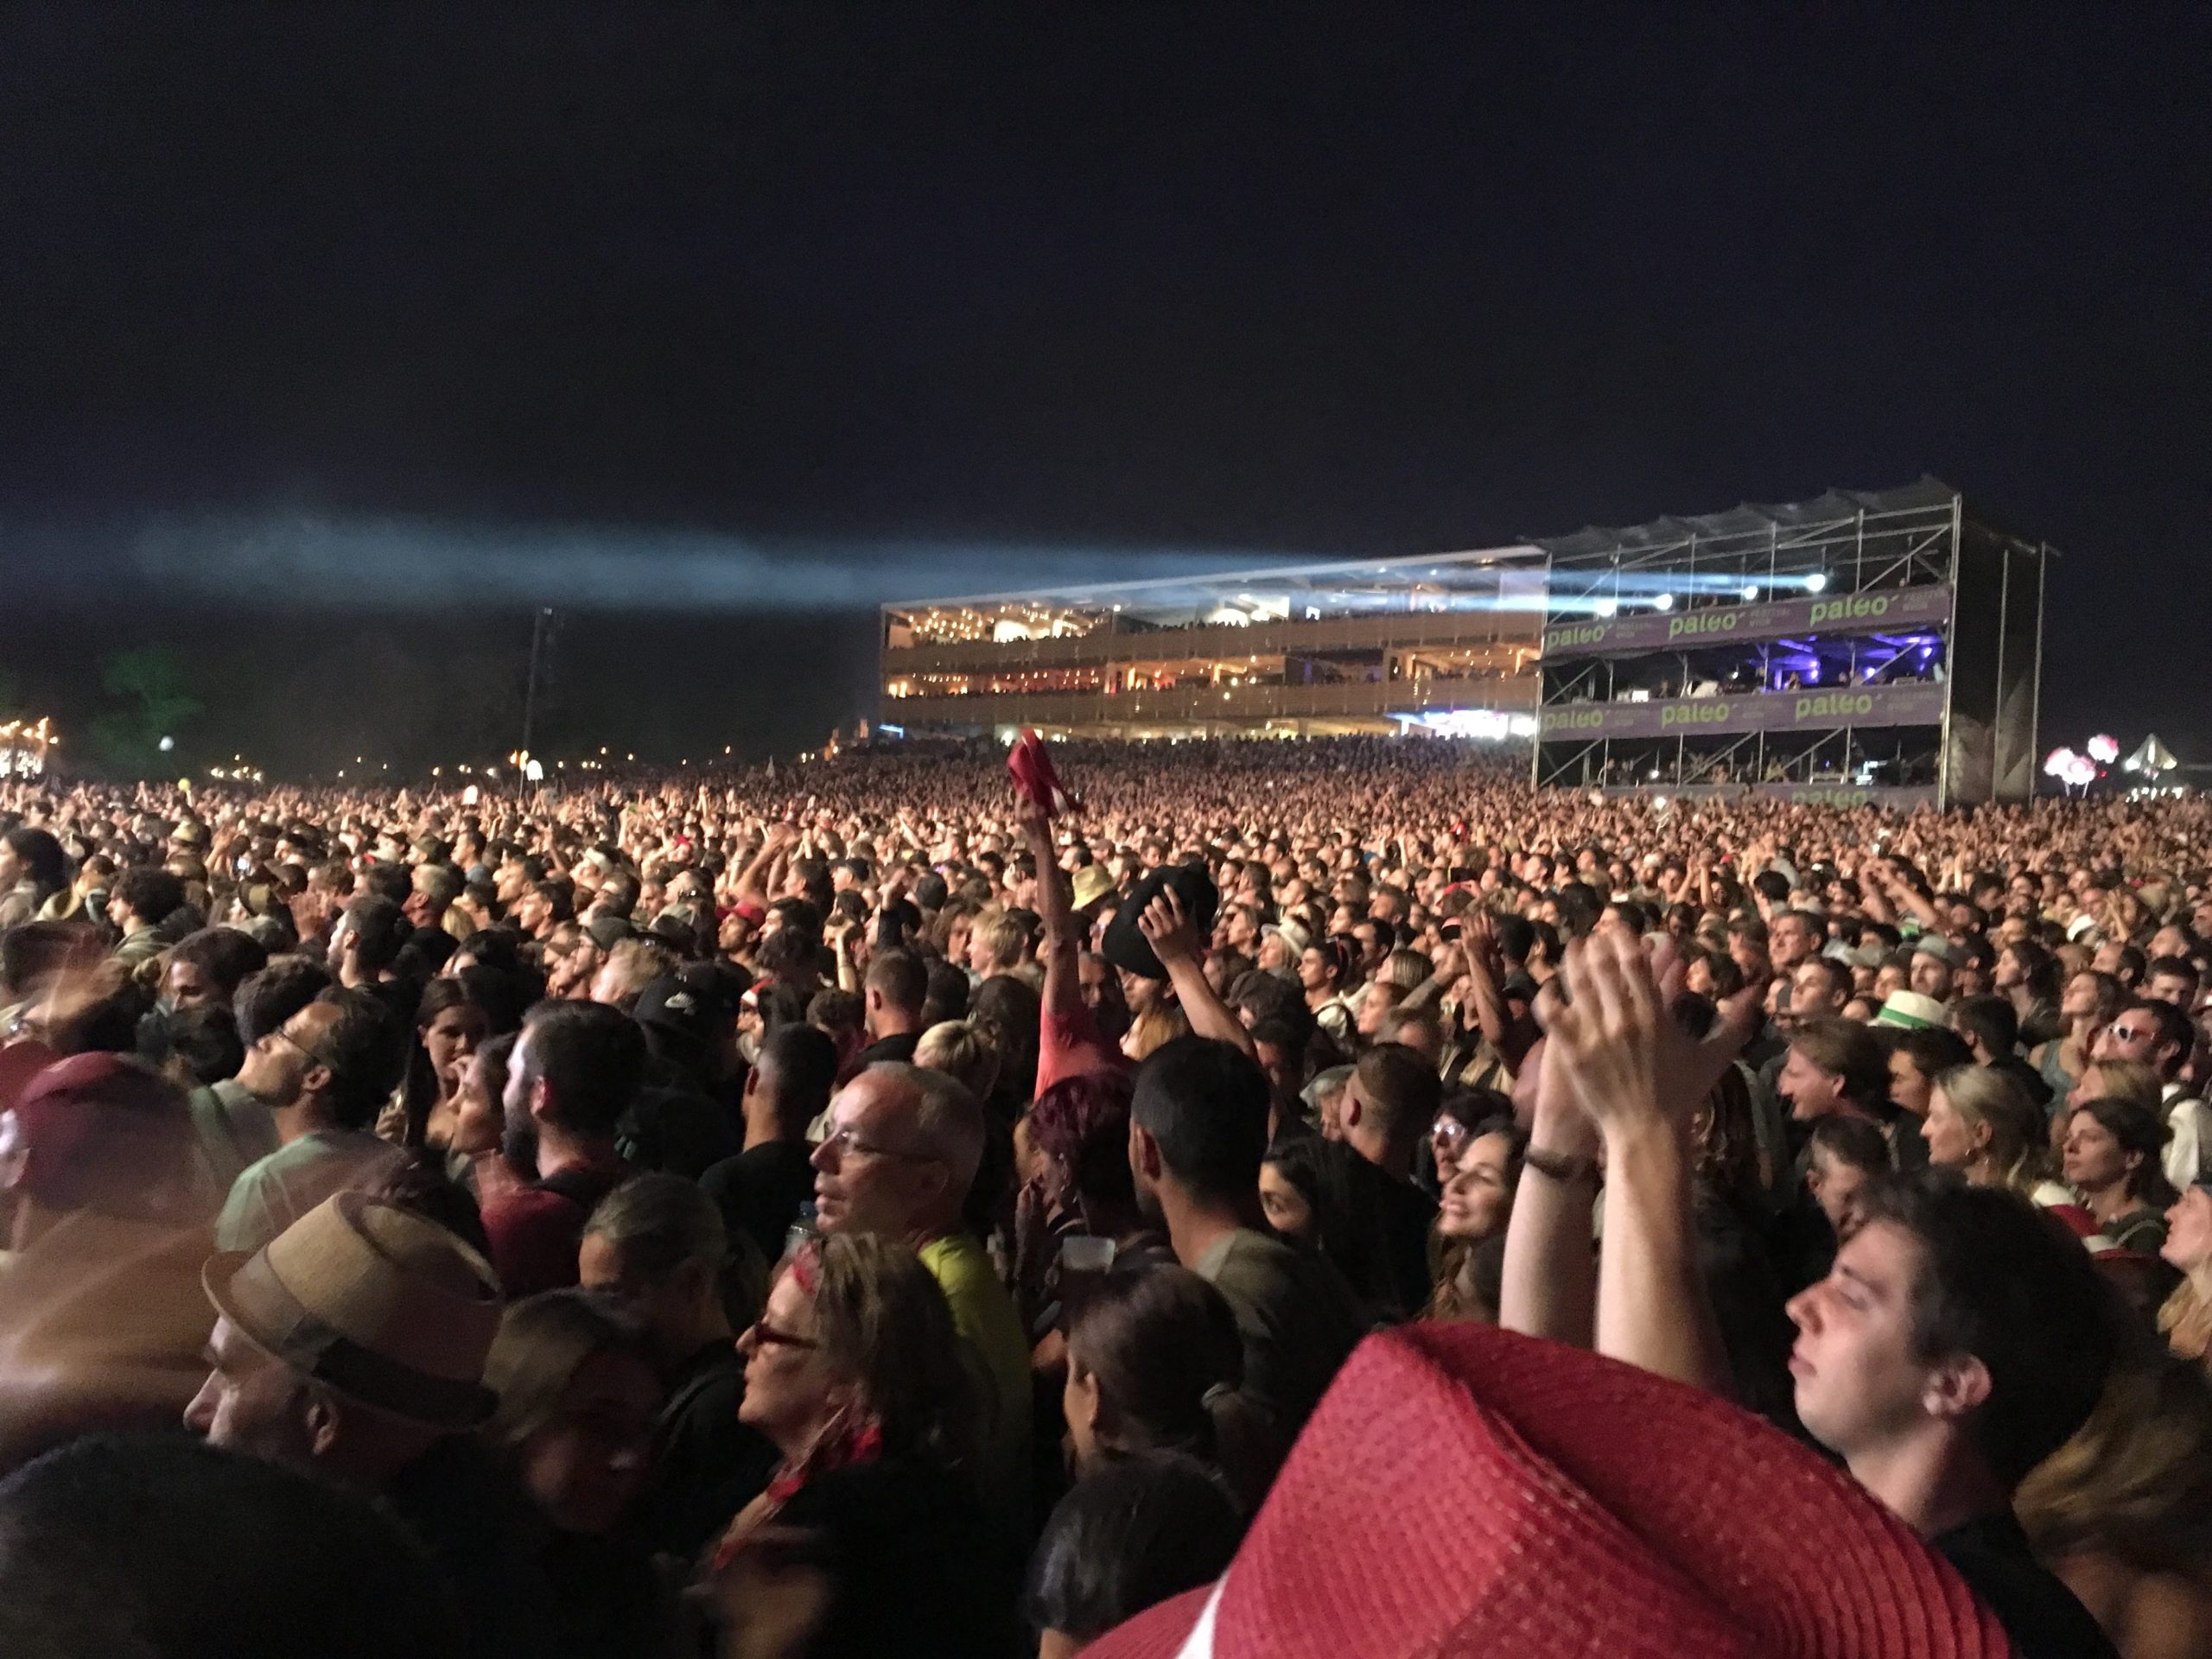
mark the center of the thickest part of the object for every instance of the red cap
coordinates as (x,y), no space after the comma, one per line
(1464,1491)
(102,1131)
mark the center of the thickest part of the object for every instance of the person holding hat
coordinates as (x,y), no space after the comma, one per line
(353,1344)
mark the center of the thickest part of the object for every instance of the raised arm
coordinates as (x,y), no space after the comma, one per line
(1512,1039)
(775,841)
(1640,1077)
(1175,942)
(1549,1283)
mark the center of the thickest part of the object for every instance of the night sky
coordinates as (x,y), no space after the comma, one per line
(324,329)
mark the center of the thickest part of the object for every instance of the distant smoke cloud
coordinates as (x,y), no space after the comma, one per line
(318,562)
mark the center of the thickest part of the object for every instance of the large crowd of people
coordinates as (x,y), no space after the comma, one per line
(1304,1196)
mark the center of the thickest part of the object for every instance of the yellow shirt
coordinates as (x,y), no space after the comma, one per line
(983,1312)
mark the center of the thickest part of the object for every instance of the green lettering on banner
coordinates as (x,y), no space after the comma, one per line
(1699,623)
(1578,633)
(1832,705)
(1707,712)
(1851,607)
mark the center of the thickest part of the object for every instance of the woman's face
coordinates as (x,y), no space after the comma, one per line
(1287,1211)
(452,1039)
(2189,1230)
(583,1467)
(1476,1199)
(1950,1139)
(790,1392)
(2094,1161)
(479,1117)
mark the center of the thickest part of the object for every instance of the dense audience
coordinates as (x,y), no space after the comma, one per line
(891,1207)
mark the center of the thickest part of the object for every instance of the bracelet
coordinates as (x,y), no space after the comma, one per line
(1562,1166)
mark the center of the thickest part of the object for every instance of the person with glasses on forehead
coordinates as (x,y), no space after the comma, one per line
(870,1537)
(902,1150)
(2159,1035)
(323,1073)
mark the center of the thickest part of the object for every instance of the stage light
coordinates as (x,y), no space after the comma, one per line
(1665,601)
(1751,590)
(1817,582)
(1608,607)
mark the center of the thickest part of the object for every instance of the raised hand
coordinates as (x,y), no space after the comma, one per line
(1613,1044)
(1168,930)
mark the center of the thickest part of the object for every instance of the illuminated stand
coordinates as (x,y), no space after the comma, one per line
(1880,646)
(25,747)
(1445,643)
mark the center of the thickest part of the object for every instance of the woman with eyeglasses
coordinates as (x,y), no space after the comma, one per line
(870,1536)
(1458,1114)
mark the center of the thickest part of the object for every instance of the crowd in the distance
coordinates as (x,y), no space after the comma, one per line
(895,1207)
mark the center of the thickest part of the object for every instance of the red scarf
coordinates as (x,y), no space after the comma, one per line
(838,1446)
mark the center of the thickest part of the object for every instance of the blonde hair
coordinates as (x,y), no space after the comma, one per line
(962,1049)
(1156,1027)
(1006,936)
(2127,1080)
(2135,1482)
(2019,1146)
(1403,970)
(2185,1321)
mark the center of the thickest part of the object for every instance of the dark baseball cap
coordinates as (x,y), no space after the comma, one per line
(691,1007)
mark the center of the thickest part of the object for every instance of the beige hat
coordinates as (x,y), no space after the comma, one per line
(1090,885)
(383,1305)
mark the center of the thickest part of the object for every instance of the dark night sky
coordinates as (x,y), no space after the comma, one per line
(318,323)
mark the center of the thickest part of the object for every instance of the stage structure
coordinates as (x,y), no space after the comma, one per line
(1882,646)
(1443,643)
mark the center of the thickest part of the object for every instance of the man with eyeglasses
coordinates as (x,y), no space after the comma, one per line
(323,1073)
(2159,1035)
(903,1147)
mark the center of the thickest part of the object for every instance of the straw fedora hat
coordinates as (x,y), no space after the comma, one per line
(1089,884)
(383,1306)
(1465,1492)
